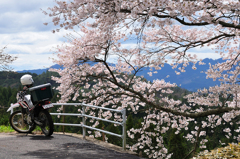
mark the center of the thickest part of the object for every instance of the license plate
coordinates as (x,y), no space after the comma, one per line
(47,106)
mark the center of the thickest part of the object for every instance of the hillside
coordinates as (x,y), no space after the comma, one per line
(12,79)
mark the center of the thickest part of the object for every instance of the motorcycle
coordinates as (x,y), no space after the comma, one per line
(34,111)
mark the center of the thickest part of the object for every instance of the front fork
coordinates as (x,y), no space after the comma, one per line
(26,112)
(34,113)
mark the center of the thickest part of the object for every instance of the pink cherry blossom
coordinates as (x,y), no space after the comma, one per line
(140,34)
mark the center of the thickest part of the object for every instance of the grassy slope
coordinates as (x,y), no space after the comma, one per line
(5,129)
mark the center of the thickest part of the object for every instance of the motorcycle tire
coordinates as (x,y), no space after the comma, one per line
(46,119)
(19,123)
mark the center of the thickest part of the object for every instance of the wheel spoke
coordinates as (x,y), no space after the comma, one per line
(46,119)
(19,122)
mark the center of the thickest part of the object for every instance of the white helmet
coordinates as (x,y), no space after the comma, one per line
(26,80)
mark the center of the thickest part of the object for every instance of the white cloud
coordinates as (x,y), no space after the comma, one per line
(32,61)
(21,16)
(209,55)
(23,32)
(24,5)
(33,49)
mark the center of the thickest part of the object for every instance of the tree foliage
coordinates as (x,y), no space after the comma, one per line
(12,79)
(159,31)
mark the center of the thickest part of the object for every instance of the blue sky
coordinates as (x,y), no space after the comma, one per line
(25,36)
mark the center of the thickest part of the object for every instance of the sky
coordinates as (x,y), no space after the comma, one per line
(25,36)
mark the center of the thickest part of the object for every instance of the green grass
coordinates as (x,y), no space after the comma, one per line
(5,129)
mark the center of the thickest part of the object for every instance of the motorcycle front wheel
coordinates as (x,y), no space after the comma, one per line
(46,120)
(18,122)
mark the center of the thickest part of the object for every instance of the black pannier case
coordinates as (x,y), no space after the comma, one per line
(41,92)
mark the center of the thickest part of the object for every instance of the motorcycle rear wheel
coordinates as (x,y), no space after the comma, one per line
(18,122)
(47,122)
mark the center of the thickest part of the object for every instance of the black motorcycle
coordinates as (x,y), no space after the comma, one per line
(34,111)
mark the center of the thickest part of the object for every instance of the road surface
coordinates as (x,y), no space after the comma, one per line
(59,146)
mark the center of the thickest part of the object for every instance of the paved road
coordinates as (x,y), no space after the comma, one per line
(17,146)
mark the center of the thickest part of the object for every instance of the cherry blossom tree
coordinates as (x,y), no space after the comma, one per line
(149,33)
(5,60)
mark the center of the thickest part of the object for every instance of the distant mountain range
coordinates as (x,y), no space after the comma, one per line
(190,80)
(39,71)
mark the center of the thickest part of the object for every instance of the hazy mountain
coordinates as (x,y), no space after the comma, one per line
(40,71)
(190,80)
